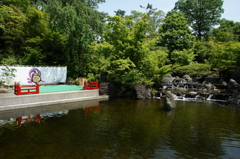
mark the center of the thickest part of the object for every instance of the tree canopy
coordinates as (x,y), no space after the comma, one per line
(140,47)
(175,33)
(201,15)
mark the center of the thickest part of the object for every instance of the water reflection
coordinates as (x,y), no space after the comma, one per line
(92,109)
(170,115)
(124,128)
(27,119)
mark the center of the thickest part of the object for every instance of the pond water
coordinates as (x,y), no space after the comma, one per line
(121,129)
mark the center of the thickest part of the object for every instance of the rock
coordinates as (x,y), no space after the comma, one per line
(168,80)
(224,83)
(110,89)
(233,86)
(236,75)
(103,77)
(213,80)
(169,103)
(158,95)
(234,100)
(6,90)
(188,78)
(209,86)
(193,93)
(141,91)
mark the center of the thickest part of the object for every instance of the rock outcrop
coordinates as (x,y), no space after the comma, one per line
(141,91)
(169,103)
(233,86)
(110,89)
(234,100)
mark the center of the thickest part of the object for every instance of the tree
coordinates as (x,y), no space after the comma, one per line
(184,57)
(201,15)
(26,38)
(81,24)
(201,51)
(125,53)
(227,31)
(120,12)
(12,31)
(224,56)
(155,18)
(175,33)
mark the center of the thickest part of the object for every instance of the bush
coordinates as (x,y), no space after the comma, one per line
(193,70)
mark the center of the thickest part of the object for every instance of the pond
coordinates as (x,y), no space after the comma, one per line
(121,128)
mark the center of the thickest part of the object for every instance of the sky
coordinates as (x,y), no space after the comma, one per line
(231,7)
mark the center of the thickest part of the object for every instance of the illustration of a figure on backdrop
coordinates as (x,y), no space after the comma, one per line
(35,76)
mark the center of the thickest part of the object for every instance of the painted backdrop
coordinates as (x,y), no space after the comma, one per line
(42,75)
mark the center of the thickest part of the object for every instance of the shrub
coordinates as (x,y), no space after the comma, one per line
(193,70)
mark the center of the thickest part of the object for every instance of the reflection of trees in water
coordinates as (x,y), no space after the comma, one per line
(124,128)
(193,133)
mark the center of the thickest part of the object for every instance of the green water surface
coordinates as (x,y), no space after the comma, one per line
(127,129)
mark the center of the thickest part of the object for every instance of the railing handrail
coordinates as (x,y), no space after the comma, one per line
(18,89)
(90,85)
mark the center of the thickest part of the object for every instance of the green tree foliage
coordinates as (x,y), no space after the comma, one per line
(12,31)
(201,51)
(201,15)
(184,57)
(120,12)
(81,24)
(126,53)
(155,18)
(224,56)
(175,34)
(26,38)
(6,75)
(193,70)
(227,31)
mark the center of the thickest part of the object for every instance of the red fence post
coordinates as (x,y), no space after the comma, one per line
(18,89)
(97,85)
(37,88)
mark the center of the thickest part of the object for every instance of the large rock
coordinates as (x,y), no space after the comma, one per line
(234,100)
(233,86)
(168,80)
(169,103)
(103,77)
(141,91)
(236,75)
(110,89)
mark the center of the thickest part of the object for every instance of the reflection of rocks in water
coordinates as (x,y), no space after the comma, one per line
(169,103)
(170,115)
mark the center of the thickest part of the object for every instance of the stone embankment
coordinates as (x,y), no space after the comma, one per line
(211,89)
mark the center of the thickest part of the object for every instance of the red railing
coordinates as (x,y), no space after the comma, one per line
(28,89)
(90,85)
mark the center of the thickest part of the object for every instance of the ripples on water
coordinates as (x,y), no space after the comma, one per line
(122,128)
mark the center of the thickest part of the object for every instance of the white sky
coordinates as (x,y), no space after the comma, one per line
(231,7)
